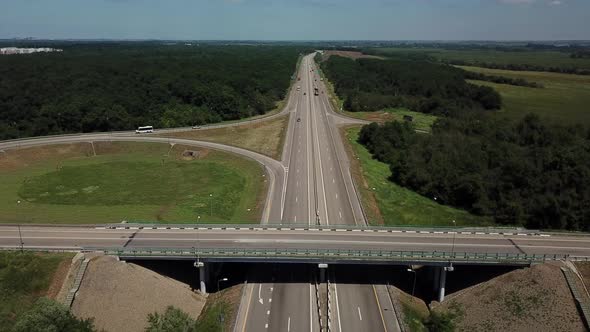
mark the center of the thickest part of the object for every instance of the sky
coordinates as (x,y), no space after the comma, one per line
(297,19)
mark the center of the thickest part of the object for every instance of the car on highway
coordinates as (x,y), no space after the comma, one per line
(196,127)
(145,130)
(298,119)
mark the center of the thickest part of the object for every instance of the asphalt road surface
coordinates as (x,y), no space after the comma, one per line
(318,191)
(79,237)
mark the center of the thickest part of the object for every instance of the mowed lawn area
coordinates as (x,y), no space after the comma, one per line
(387,203)
(565,98)
(25,277)
(136,182)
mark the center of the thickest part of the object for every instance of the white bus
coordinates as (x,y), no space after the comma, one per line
(144,130)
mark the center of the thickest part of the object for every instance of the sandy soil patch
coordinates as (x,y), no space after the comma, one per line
(120,295)
(531,299)
(584,269)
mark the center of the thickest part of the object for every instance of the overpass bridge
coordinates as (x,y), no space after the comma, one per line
(440,248)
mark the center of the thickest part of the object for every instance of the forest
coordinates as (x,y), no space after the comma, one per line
(524,173)
(422,86)
(120,86)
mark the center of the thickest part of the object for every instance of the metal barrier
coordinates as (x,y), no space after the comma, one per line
(361,255)
(318,254)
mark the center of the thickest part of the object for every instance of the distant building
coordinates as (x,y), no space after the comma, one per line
(18,50)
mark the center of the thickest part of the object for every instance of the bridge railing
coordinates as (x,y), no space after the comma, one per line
(303,227)
(316,254)
(360,255)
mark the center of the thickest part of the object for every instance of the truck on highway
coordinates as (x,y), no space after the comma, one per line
(316,91)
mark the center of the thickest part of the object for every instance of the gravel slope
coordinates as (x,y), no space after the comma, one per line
(120,295)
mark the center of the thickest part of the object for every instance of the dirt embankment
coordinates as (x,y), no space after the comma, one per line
(531,299)
(120,295)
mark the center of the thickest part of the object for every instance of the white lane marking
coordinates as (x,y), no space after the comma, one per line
(333,180)
(266,325)
(289,324)
(340,213)
(310,311)
(295,219)
(269,300)
(297,183)
(336,196)
(296,199)
(360,316)
(259,295)
(268,312)
(337,308)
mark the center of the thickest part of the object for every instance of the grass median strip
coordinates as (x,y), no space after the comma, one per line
(387,203)
(129,181)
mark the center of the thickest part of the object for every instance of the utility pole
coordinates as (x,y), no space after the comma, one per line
(20,235)
(454,235)
(211,203)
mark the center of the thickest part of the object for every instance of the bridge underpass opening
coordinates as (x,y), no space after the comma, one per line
(426,287)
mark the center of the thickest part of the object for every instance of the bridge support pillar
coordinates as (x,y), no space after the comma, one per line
(442,284)
(443,281)
(323,267)
(435,278)
(202,276)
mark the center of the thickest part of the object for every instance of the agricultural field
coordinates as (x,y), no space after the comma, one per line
(69,184)
(387,203)
(525,57)
(564,98)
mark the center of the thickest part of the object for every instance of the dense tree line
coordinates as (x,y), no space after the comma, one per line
(371,85)
(501,79)
(521,173)
(103,87)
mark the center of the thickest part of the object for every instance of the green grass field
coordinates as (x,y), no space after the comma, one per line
(24,277)
(564,98)
(390,204)
(525,57)
(136,182)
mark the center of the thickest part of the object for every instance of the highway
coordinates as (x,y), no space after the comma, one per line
(79,237)
(318,191)
(310,186)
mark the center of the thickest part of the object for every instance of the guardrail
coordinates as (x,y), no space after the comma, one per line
(315,227)
(361,255)
(317,254)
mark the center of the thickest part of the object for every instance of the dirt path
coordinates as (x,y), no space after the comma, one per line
(120,295)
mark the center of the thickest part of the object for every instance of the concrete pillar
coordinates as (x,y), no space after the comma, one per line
(442,284)
(202,276)
(435,278)
(323,267)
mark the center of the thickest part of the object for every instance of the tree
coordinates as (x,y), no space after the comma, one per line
(50,316)
(172,320)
